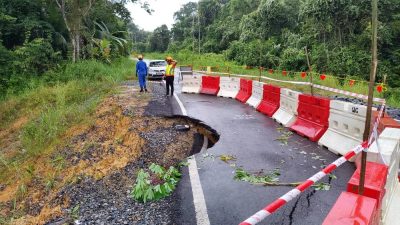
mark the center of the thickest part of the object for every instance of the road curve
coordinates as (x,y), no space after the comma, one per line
(251,137)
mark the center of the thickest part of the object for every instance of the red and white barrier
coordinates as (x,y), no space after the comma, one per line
(271,100)
(351,209)
(287,112)
(346,126)
(229,87)
(374,183)
(312,119)
(386,150)
(256,94)
(191,84)
(338,91)
(210,85)
(245,90)
(271,208)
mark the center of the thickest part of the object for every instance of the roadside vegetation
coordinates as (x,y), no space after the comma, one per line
(52,79)
(52,76)
(155,185)
(67,98)
(36,120)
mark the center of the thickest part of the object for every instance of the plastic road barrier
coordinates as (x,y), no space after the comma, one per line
(351,209)
(313,114)
(287,112)
(271,100)
(271,208)
(229,87)
(346,126)
(375,180)
(191,84)
(256,94)
(209,85)
(388,153)
(245,90)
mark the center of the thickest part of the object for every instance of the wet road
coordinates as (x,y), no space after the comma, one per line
(251,138)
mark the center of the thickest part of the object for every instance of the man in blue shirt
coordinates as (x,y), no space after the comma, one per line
(141,70)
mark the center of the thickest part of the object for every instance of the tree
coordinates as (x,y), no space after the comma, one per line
(185,20)
(73,13)
(160,39)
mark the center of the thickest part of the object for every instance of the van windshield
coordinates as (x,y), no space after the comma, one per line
(158,64)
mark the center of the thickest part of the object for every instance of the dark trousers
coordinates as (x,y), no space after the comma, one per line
(169,80)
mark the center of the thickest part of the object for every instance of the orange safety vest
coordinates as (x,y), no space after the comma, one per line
(170,70)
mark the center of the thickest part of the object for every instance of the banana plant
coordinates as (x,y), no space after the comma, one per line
(103,49)
(115,42)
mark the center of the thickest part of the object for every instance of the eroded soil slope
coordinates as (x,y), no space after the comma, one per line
(88,177)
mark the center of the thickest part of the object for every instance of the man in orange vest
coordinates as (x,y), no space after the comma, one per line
(169,74)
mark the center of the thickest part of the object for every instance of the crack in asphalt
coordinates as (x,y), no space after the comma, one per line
(292,211)
(308,197)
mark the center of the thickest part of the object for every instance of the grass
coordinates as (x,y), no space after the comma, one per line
(220,64)
(53,104)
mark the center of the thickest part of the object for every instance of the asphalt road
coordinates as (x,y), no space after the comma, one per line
(251,138)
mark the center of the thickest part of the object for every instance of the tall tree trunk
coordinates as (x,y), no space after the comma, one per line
(78,46)
(73,49)
(74,24)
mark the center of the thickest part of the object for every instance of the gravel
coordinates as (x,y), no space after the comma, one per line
(108,200)
(393,112)
(160,137)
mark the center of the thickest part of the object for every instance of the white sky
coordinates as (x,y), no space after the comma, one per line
(163,13)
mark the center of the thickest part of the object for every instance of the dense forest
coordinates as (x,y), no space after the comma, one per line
(39,38)
(273,34)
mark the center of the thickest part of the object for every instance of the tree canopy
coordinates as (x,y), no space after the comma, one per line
(38,35)
(273,34)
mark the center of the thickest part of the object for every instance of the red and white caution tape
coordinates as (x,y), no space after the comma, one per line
(271,208)
(218,73)
(287,81)
(374,134)
(348,93)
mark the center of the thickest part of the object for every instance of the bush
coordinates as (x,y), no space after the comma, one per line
(63,98)
(35,57)
(6,70)
(293,59)
(350,60)
(159,184)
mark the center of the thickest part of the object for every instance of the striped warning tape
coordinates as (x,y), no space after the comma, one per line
(348,93)
(335,90)
(271,208)
(374,134)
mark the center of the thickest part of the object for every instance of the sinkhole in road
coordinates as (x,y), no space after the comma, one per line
(202,132)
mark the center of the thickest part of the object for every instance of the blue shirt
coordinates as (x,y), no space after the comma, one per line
(141,68)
